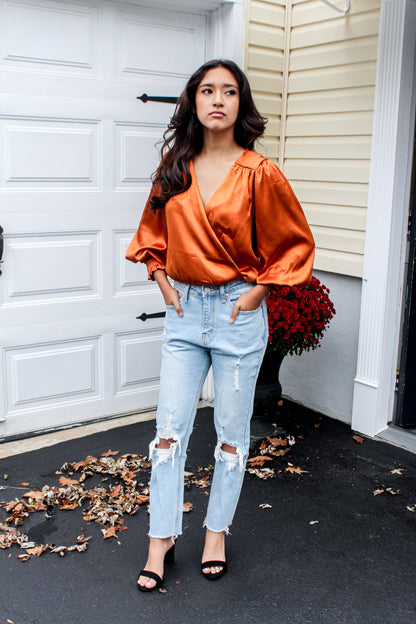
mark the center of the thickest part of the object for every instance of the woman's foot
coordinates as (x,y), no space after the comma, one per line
(155,560)
(214,550)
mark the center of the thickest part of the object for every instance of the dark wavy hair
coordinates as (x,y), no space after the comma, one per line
(183,137)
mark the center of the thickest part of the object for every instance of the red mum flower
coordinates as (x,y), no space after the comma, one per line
(298,317)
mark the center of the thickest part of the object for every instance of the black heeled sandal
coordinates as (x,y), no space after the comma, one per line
(214,576)
(169,558)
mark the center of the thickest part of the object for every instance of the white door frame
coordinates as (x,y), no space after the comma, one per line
(387,218)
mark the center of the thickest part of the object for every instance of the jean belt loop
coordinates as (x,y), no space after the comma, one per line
(186,292)
(222,293)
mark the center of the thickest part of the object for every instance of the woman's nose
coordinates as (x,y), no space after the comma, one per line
(218,99)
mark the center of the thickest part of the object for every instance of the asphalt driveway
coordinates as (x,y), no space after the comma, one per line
(331,537)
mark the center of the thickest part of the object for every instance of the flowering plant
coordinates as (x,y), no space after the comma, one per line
(298,317)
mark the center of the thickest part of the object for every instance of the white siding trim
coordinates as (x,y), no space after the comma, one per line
(387,218)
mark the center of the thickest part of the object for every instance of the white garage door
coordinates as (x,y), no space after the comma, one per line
(74,175)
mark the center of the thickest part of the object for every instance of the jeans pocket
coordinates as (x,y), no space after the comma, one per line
(180,293)
(232,298)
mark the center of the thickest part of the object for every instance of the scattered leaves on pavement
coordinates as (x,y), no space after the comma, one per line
(108,506)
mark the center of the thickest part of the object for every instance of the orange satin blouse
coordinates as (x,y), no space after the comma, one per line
(213,244)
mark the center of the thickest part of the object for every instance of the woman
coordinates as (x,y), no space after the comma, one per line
(224,224)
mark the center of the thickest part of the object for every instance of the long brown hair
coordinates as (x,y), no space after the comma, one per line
(183,137)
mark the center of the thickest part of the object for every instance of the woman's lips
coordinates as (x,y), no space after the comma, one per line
(216,114)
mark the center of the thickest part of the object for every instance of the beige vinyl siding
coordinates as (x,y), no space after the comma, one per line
(264,65)
(328,70)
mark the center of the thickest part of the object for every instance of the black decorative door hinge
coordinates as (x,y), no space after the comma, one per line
(166,99)
(144,316)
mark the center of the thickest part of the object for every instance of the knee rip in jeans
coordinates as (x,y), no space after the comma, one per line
(234,458)
(159,449)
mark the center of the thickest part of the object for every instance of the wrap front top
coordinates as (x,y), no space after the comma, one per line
(252,227)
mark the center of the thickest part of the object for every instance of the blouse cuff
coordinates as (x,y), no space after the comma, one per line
(152,265)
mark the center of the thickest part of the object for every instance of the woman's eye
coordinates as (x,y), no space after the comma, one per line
(231,92)
(206,90)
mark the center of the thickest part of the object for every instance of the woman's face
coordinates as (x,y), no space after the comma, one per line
(217,100)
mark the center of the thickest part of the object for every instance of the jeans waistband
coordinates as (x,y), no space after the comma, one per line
(200,290)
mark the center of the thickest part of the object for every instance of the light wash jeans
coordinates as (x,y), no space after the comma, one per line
(204,336)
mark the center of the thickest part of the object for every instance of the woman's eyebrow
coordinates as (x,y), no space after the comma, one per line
(226,84)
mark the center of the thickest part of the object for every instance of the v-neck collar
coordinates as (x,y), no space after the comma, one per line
(195,181)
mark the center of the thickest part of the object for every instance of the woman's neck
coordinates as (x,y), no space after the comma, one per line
(219,144)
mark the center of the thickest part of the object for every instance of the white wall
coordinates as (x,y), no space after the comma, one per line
(323,379)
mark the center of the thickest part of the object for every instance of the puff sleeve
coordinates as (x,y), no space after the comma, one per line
(285,244)
(149,244)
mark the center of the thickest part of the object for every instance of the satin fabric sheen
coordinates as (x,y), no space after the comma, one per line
(212,244)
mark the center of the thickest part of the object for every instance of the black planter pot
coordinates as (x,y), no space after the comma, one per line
(268,389)
(266,398)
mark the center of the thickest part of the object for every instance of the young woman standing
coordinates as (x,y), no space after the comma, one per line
(224,224)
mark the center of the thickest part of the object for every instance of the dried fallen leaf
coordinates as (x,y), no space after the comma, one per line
(259,460)
(23,557)
(278,453)
(66,481)
(314,522)
(36,494)
(109,453)
(11,505)
(140,500)
(110,532)
(25,484)
(37,550)
(295,470)
(277,441)
(379,490)
(262,473)
(187,507)
(116,491)
(398,471)
(392,492)
(69,506)
(411,508)
(265,506)
(358,439)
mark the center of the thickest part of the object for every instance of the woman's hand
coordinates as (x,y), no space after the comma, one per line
(170,294)
(249,300)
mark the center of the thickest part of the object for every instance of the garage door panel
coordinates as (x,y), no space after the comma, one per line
(53,373)
(137,154)
(43,35)
(50,153)
(138,357)
(143,39)
(130,279)
(50,267)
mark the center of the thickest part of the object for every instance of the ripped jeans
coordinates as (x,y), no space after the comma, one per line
(202,337)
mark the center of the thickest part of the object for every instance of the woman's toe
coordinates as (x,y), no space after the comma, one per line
(144,581)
